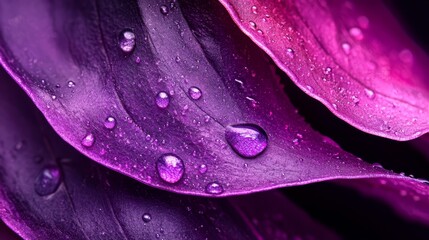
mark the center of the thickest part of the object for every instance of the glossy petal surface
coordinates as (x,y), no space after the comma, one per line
(92,202)
(78,75)
(353,56)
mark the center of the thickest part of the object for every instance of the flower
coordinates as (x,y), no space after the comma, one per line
(172,95)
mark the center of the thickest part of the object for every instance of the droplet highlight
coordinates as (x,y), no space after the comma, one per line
(195,93)
(88,140)
(110,122)
(48,181)
(247,140)
(164,10)
(214,188)
(162,100)
(127,41)
(170,168)
(146,217)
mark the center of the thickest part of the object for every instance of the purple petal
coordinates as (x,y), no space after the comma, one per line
(275,221)
(50,191)
(127,108)
(352,56)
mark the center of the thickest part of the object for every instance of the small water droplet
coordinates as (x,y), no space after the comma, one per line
(214,188)
(260,32)
(203,168)
(254,9)
(127,41)
(195,93)
(310,88)
(110,122)
(54,97)
(164,10)
(252,25)
(88,140)
(355,100)
(146,217)
(247,140)
(327,70)
(369,93)
(71,84)
(48,181)
(162,99)
(170,168)
(346,48)
(356,33)
(290,53)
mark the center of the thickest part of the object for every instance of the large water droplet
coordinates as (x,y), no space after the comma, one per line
(214,188)
(247,140)
(146,217)
(195,93)
(110,122)
(170,168)
(162,99)
(88,140)
(48,181)
(127,41)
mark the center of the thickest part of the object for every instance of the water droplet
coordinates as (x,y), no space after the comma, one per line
(164,10)
(127,41)
(214,188)
(356,33)
(252,25)
(247,140)
(203,168)
(162,100)
(355,100)
(310,88)
(71,84)
(110,122)
(260,32)
(327,70)
(48,181)
(88,140)
(146,217)
(346,48)
(369,93)
(195,93)
(290,53)
(254,9)
(170,168)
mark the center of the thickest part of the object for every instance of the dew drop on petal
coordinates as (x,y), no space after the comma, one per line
(162,100)
(346,48)
(88,140)
(203,168)
(369,93)
(290,53)
(48,181)
(252,25)
(170,168)
(146,217)
(71,84)
(356,33)
(127,41)
(254,9)
(214,188)
(164,10)
(110,122)
(247,140)
(195,93)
